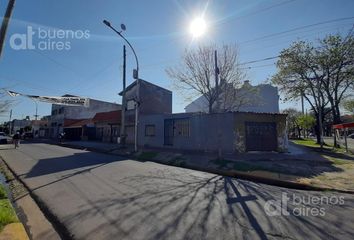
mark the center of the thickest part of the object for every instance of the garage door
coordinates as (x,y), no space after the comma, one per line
(261,136)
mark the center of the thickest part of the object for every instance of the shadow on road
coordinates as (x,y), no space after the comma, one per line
(75,161)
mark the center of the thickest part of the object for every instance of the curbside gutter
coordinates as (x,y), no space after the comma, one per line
(58,226)
(228,173)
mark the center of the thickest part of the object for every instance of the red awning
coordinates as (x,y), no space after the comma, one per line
(113,117)
(344,125)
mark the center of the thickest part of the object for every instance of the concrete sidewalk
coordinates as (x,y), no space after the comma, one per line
(294,169)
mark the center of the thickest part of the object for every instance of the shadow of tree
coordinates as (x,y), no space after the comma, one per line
(170,204)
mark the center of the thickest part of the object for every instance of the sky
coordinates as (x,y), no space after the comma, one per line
(68,50)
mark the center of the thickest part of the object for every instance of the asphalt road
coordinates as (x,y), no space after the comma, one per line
(98,196)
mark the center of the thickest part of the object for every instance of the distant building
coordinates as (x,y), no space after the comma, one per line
(107,126)
(262,98)
(40,128)
(153,100)
(64,114)
(20,125)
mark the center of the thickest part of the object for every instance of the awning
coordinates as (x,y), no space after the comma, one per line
(343,125)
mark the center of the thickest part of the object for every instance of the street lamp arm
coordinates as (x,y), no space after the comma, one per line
(131,47)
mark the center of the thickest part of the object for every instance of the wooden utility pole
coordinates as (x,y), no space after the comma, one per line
(122,127)
(219,137)
(5,23)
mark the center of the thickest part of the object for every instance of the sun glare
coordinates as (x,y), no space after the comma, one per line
(197,27)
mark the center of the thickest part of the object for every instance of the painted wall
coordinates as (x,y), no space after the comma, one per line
(279,119)
(153,99)
(205,134)
(262,98)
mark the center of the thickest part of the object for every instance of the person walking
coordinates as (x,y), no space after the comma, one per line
(16,139)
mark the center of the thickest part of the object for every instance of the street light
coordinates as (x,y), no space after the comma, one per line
(135,76)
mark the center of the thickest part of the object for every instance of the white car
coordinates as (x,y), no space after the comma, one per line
(3,138)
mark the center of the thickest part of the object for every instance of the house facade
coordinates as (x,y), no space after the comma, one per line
(229,132)
(108,126)
(262,98)
(153,100)
(64,114)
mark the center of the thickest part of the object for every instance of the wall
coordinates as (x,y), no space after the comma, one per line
(262,98)
(279,119)
(153,100)
(204,131)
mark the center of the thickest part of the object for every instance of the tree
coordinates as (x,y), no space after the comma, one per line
(323,75)
(305,122)
(196,76)
(293,128)
(348,105)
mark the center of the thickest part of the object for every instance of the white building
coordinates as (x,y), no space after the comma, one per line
(262,98)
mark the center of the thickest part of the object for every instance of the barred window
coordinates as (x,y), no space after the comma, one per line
(150,130)
(181,127)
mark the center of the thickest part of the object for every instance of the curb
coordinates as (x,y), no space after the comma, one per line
(233,173)
(57,225)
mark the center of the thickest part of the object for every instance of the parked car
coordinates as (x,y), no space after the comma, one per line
(27,135)
(3,138)
(351,136)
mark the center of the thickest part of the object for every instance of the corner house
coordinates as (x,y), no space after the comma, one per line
(230,132)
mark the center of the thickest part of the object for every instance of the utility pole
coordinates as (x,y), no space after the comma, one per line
(122,127)
(5,23)
(36,115)
(217,103)
(10,122)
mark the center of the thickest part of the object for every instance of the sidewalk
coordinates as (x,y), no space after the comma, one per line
(300,168)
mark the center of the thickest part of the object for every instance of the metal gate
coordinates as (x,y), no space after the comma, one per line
(168,133)
(261,136)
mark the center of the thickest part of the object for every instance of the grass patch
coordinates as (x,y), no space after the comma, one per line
(236,165)
(7,213)
(147,155)
(3,193)
(338,161)
(311,143)
(246,167)
(221,163)
(178,161)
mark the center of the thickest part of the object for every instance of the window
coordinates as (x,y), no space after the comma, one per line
(150,130)
(54,112)
(181,127)
(130,104)
(61,110)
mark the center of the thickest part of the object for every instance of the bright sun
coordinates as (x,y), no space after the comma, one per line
(197,27)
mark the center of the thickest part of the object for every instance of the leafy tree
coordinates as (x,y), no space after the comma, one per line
(323,75)
(305,122)
(196,76)
(293,128)
(348,105)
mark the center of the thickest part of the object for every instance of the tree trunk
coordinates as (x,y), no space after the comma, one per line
(317,130)
(210,107)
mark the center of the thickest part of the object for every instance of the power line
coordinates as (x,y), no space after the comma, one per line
(297,28)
